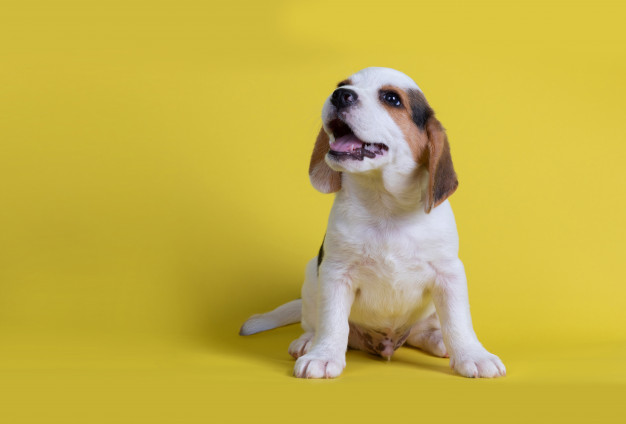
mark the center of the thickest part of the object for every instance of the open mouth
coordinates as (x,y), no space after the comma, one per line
(348,146)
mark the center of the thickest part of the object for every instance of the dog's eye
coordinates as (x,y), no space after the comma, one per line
(391,98)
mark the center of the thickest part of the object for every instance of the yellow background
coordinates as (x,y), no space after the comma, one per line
(154,193)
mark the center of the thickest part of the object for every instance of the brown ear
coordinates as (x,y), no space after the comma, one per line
(442,181)
(322,177)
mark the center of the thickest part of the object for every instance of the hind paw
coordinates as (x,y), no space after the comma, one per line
(429,341)
(301,346)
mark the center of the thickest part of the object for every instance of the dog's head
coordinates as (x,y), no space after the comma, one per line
(379,118)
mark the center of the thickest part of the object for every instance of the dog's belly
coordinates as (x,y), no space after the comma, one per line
(377,342)
(390,299)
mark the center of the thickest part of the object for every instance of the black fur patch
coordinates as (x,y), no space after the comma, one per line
(320,255)
(420,109)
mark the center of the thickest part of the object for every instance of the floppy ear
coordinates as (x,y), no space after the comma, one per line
(322,177)
(442,180)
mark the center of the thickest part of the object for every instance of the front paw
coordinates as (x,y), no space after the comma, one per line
(314,365)
(476,363)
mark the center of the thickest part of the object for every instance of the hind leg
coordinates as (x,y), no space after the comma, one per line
(301,345)
(426,335)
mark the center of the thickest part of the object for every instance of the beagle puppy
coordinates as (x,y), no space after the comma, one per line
(388,271)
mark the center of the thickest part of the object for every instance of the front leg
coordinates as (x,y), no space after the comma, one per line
(467,356)
(327,356)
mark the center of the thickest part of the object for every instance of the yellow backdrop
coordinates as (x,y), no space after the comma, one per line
(154,194)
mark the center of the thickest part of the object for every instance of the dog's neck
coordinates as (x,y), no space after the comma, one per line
(386,193)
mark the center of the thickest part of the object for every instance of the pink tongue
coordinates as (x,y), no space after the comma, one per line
(346,143)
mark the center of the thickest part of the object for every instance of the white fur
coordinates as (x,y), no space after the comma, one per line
(377,77)
(286,314)
(370,121)
(387,263)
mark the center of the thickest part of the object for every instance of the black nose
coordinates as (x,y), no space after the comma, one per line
(342,97)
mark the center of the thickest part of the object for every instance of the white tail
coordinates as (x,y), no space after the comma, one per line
(289,313)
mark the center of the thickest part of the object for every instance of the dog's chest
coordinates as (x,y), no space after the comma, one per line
(392,280)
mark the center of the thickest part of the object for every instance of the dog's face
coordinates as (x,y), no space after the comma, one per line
(379,118)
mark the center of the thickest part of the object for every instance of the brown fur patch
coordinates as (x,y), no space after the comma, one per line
(428,142)
(344,82)
(323,178)
(403,116)
(442,179)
